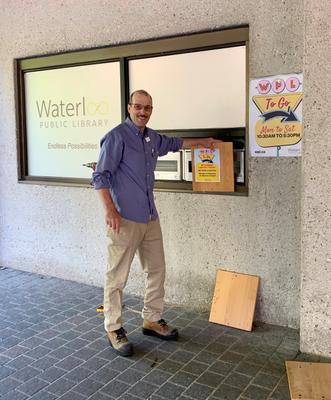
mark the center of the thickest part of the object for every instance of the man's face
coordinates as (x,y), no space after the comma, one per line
(140,110)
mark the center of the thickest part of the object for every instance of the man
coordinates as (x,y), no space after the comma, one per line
(124,179)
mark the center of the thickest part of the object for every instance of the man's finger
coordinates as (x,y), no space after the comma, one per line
(116,225)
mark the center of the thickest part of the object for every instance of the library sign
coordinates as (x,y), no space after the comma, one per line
(275,118)
(68,110)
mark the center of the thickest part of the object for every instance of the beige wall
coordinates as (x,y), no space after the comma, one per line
(316,183)
(59,230)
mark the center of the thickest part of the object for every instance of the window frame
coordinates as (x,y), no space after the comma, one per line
(199,41)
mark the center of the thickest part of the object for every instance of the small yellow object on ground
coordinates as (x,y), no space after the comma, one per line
(100,308)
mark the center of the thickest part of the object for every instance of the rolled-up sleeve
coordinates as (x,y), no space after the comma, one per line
(110,156)
(166,144)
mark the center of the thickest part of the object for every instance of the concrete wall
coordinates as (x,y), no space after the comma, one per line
(316,183)
(59,230)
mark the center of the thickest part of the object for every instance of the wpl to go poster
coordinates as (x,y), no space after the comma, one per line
(275,116)
(207,165)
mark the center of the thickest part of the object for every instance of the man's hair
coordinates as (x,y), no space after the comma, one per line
(142,92)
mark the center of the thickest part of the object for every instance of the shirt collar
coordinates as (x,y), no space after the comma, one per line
(136,130)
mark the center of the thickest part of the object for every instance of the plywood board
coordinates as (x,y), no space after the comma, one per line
(226,183)
(309,381)
(234,300)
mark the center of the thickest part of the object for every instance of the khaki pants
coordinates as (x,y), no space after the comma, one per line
(147,240)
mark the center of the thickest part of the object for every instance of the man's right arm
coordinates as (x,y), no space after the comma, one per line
(112,216)
(109,159)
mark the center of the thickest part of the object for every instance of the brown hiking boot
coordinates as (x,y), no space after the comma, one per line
(119,342)
(160,329)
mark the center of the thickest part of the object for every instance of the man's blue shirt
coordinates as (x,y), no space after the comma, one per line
(126,167)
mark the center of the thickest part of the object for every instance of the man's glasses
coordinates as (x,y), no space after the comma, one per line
(140,107)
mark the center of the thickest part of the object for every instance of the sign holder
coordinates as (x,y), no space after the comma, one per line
(213,174)
(234,300)
(309,381)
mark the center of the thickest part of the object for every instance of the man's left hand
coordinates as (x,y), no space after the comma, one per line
(210,142)
(200,142)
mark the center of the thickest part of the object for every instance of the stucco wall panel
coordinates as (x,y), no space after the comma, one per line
(316,205)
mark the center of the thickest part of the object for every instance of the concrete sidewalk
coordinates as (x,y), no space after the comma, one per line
(53,346)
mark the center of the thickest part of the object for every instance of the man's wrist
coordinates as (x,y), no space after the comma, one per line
(110,208)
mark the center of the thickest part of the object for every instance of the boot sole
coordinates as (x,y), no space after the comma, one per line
(123,353)
(149,332)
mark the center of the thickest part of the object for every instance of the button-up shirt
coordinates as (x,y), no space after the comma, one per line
(126,167)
